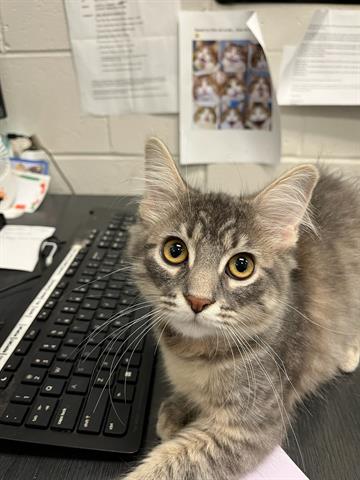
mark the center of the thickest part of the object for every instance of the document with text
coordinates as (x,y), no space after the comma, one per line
(324,69)
(125,54)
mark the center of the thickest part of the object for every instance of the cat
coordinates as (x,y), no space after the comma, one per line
(259,305)
(231,118)
(205,59)
(258,60)
(205,117)
(234,59)
(205,90)
(234,92)
(259,91)
(258,117)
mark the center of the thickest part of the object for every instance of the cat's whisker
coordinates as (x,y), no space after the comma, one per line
(349,334)
(282,408)
(114,364)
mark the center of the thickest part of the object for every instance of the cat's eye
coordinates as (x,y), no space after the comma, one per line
(175,251)
(240,266)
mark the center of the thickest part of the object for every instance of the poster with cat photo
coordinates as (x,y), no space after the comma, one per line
(228,110)
(231,85)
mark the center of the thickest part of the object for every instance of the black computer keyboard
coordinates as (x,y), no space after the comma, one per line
(76,369)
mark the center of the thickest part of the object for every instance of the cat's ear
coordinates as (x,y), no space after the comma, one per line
(163,182)
(283,206)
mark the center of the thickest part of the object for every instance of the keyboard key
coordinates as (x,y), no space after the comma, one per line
(94,265)
(128,374)
(73,339)
(13,363)
(61,370)
(22,348)
(51,346)
(70,272)
(86,315)
(102,379)
(124,393)
(79,327)
(89,272)
(116,348)
(98,255)
(112,294)
(34,376)
(14,414)
(43,315)
(75,297)
(31,334)
(70,308)
(56,293)
(125,300)
(109,262)
(116,285)
(78,385)
(94,411)
(24,394)
(57,332)
(85,368)
(41,413)
(107,363)
(104,314)
(84,280)
(42,359)
(95,294)
(90,304)
(131,359)
(136,347)
(67,353)
(64,319)
(112,255)
(62,284)
(105,270)
(81,289)
(5,379)
(98,336)
(108,303)
(67,413)
(98,285)
(51,303)
(117,421)
(90,353)
(53,387)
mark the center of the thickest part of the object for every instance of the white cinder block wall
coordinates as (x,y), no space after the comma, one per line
(105,154)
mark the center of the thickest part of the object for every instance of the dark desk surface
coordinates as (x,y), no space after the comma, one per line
(327,430)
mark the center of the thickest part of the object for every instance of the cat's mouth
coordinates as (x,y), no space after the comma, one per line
(259,123)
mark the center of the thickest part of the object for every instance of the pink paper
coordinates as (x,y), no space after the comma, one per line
(277,466)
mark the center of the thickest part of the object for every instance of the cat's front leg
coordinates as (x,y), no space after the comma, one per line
(174,414)
(208,452)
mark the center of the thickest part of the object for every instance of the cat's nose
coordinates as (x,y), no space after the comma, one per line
(197,304)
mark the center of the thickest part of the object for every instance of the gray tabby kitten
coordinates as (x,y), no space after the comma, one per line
(259,301)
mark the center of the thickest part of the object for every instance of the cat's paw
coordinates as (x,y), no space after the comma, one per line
(169,421)
(351,359)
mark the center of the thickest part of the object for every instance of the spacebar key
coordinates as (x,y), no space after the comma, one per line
(94,412)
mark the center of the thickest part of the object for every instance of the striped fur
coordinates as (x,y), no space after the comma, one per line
(239,368)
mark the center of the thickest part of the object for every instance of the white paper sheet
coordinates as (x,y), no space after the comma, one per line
(20,246)
(125,54)
(324,69)
(228,109)
(277,466)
